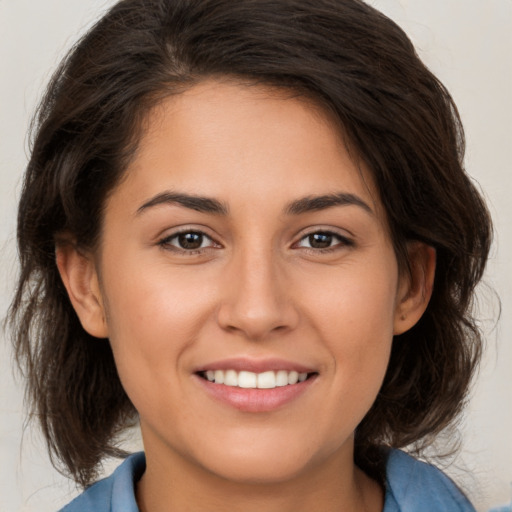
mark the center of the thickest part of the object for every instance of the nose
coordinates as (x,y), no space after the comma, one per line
(258,297)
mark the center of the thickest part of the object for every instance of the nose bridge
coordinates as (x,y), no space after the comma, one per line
(257,302)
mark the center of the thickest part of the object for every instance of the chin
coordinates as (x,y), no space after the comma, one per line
(255,463)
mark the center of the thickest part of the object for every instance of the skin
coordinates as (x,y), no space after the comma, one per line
(256,289)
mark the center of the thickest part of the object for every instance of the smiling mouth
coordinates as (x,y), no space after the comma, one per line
(251,380)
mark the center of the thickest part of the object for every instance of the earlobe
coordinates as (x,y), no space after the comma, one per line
(79,275)
(415,288)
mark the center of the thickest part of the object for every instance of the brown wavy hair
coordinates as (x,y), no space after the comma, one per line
(352,61)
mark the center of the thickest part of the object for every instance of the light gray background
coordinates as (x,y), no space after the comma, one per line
(467,43)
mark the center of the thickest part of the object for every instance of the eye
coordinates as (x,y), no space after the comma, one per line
(323,240)
(188,241)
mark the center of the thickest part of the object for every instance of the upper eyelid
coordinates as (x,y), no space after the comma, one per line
(178,230)
(175,234)
(342,233)
(340,237)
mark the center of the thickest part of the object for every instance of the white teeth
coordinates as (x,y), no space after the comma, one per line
(251,380)
(246,379)
(282,378)
(230,378)
(266,380)
(219,376)
(293,377)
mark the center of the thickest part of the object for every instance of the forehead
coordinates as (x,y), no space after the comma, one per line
(231,140)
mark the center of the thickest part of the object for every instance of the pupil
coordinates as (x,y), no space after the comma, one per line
(190,240)
(320,240)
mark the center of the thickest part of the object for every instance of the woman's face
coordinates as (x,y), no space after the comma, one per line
(247,245)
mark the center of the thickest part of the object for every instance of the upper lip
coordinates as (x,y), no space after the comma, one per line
(255,365)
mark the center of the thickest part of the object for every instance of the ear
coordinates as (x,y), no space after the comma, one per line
(415,287)
(79,275)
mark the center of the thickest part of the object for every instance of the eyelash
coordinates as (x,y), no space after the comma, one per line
(166,243)
(342,241)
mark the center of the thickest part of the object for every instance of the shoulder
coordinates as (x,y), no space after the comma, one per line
(414,486)
(113,494)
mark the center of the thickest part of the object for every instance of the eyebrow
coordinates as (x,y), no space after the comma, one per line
(214,206)
(198,203)
(315,203)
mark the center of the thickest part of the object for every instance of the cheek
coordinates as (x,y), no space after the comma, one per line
(357,299)
(152,320)
(354,315)
(143,299)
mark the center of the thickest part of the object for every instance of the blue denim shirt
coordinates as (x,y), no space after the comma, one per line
(411,486)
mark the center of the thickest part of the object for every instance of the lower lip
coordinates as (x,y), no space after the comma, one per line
(255,400)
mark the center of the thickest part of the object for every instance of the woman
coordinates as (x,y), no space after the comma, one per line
(247,225)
